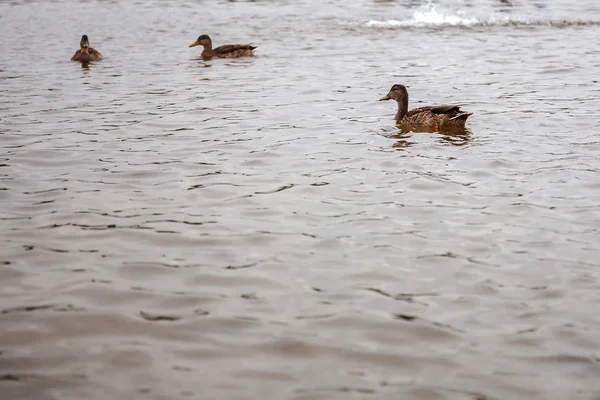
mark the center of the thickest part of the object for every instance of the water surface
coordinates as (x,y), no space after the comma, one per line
(259,228)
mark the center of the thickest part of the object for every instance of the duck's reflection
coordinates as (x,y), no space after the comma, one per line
(458,137)
(402,140)
(405,136)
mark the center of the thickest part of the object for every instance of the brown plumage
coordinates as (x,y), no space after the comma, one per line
(439,117)
(86,53)
(225,51)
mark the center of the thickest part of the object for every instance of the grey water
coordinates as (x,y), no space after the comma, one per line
(259,228)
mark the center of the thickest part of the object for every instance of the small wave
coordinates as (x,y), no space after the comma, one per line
(428,16)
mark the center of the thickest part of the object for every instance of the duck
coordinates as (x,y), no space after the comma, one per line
(225,51)
(438,117)
(86,53)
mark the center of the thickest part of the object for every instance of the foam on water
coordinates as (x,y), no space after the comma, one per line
(428,16)
(425,16)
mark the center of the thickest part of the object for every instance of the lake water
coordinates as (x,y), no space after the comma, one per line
(260,229)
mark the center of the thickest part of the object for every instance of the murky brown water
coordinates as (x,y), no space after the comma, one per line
(260,229)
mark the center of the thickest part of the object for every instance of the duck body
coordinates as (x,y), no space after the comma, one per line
(438,117)
(448,115)
(225,51)
(86,53)
(89,55)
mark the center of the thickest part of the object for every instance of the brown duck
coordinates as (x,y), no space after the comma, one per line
(438,117)
(225,51)
(86,53)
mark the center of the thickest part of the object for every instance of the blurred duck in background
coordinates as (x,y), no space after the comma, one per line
(225,51)
(86,53)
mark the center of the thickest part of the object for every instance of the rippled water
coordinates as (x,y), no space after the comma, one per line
(259,228)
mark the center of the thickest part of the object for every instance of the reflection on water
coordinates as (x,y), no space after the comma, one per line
(455,136)
(458,137)
(402,140)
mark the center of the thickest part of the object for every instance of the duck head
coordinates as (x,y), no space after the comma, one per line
(84,43)
(397,92)
(203,40)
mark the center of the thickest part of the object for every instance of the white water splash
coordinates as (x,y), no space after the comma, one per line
(428,16)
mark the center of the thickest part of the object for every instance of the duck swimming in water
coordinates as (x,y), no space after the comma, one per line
(86,53)
(225,51)
(438,117)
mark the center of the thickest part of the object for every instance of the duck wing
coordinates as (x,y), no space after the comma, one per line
(95,53)
(452,112)
(449,109)
(231,48)
(76,55)
(420,110)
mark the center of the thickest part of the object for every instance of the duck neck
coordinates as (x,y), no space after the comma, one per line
(207,52)
(85,50)
(402,107)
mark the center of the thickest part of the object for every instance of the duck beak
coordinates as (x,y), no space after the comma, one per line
(196,43)
(386,97)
